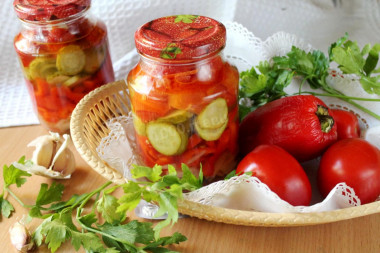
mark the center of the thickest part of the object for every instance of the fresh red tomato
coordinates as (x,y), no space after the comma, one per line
(355,162)
(280,172)
(347,124)
(302,125)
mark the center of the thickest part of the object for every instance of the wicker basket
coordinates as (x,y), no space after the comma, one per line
(88,128)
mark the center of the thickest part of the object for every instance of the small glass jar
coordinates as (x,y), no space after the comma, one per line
(184,95)
(63,51)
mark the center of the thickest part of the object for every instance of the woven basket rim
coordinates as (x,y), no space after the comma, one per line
(211,213)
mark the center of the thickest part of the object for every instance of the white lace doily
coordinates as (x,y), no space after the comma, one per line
(244,50)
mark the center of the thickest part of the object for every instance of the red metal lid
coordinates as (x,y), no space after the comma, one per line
(45,10)
(182,37)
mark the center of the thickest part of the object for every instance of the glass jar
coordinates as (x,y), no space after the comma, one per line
(63,51)
(184,95)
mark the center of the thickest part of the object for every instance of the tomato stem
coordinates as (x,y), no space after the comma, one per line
(325,119)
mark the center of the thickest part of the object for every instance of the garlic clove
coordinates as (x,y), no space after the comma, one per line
(65,162)
(43,153)
(51,158)
(20,237)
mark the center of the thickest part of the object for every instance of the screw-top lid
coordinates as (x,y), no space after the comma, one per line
(182,37)
(46,10)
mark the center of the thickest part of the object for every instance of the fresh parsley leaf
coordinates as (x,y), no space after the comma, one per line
(152,174)
(189,180)
(362,63)
(349,59)
(56,233)
(268,83)
(88,219)
(12,175)
(48,195)
(90,242)
(132,232)
(58,225)
(6,208)
(107,206)
(258,89)
(372,59)
(131,198)
(170,51)
(185,18)
(168,240)
(230,175)
(338,43)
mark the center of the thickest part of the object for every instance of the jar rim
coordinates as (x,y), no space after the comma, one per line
(46,11)
(180,37)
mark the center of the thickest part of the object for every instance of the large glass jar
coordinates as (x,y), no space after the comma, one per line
(184,95)
(63,51)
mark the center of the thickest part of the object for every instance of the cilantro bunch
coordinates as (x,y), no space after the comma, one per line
(267,81)
(113,232)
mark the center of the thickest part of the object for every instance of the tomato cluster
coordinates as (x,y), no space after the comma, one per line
(302,127)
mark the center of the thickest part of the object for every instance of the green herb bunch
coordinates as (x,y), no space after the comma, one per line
(267,81)
(115,233)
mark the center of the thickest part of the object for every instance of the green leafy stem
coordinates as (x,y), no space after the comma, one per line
(267,81)
(115,233)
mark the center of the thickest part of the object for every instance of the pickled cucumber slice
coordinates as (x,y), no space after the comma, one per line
(140,127)
(214,116)
(42,67)
(210,134)
(71,60)
(75,80)
(57,79)
(164,137)
(94,59)
(184,141)
(176,117)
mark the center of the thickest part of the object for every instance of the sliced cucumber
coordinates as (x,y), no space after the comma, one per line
(214,116)
(94,59)
(140,127)
(75,80)
(71,60)
(184,141)
(42,68)
(176,117)
(164,137)
(209,134)
(57,79)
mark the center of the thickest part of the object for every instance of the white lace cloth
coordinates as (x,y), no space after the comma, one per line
(318,22)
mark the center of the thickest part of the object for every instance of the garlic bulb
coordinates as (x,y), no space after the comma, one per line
(20,237)
(51,158)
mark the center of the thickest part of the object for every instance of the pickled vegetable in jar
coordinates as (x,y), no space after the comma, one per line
(184,95)
(63,51)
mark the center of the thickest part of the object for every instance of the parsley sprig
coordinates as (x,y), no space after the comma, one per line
(267,81)
(113,232)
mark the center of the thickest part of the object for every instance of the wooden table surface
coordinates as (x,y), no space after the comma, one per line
(355,235)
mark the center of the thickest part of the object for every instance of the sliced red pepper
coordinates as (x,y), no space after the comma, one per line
(230,79)
(190,100)
(42,88)
(141,102)
(224,140)
(194,140)
(72,96)
(193,157)
(147,151)
(208,166)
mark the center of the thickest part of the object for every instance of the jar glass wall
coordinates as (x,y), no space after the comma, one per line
(186,111)
(62,60)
